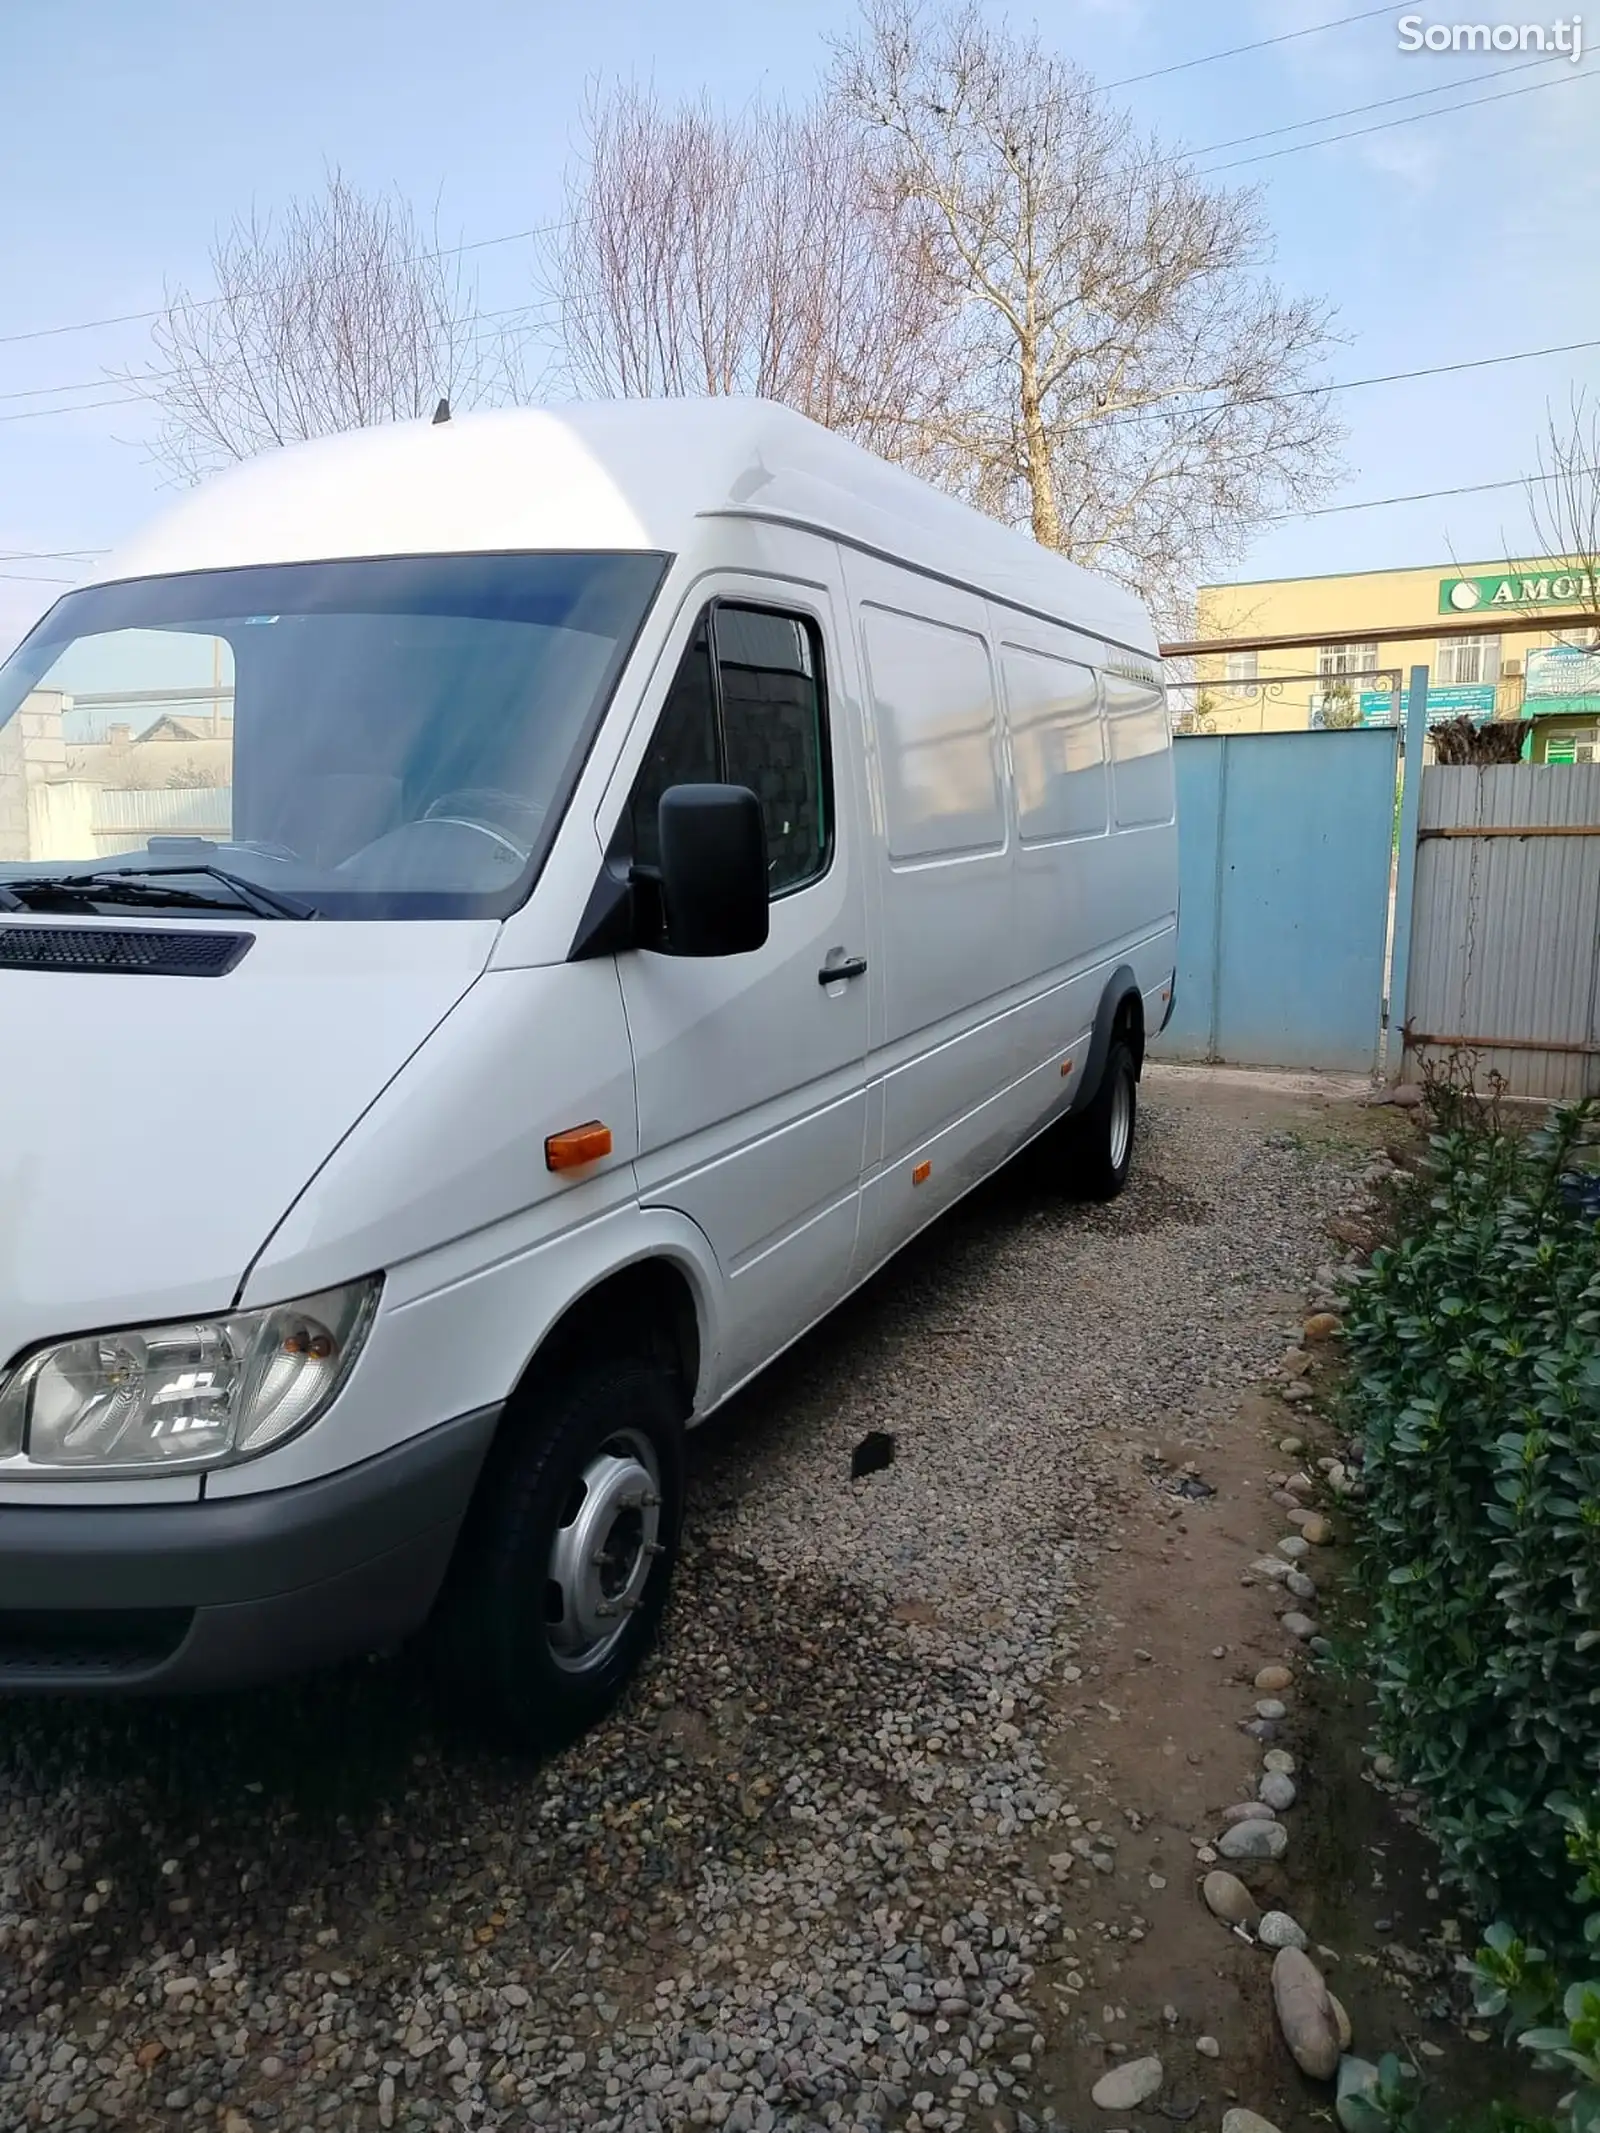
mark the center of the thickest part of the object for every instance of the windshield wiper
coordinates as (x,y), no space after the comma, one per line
(141,885)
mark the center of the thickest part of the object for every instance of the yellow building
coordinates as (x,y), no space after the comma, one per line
(1550,675)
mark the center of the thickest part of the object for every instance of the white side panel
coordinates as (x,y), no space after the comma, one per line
(751,1073)
(455,1144)
(945,903)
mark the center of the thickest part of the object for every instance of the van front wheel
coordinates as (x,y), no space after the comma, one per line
(1103,1134)
(564,1568)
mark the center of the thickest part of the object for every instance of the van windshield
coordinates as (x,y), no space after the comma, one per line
(384,738)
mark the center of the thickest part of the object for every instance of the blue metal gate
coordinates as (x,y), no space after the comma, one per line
(1286,846)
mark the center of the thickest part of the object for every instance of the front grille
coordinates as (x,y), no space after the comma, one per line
(122,950)
(88,1641)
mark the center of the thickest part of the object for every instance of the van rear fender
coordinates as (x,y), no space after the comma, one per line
(1120,1014)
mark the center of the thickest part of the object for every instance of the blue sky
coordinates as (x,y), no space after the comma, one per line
(137,130)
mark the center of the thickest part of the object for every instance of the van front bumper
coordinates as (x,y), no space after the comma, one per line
(216,1594)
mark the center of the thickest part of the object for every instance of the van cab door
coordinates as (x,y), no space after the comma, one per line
(751,1068)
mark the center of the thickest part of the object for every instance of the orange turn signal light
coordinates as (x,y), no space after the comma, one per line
(577,1145)
(922,1173)
(1066,1068)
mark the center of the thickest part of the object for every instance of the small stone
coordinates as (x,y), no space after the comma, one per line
(1300,1626)
(1293,1546)
(1208,2047)
(1357,2095)
(1238,2121)
(1323,1326)
(1279,1759)
(236,2122)
(148,2054)
(1227,1898)
(1126,2087)
(1310,2028)
(1383,1766)
(1271,1566)
(1273,1678)
(271,2068)
(1247,1811)
(1276,1790)
(1317,1530)
(1278,1930)
(1254,1840)
(1294,1390)
(1292,1447)
(1300,1585)
(1269,1707)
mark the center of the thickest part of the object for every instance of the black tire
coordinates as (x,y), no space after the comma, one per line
(502,1619)
(1101,1150)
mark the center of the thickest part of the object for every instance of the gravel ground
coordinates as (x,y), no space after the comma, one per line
(807,1876)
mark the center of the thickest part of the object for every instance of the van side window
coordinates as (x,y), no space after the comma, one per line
(772,731)
(746,707)
(683,749)
(1141,751)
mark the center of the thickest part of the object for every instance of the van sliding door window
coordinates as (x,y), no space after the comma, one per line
(746,708)
(1141,751)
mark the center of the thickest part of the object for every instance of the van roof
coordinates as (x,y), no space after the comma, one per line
(620,474)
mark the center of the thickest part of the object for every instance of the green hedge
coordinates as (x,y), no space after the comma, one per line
(1475,1386)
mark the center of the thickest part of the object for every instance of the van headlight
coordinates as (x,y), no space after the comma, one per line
(203,1392)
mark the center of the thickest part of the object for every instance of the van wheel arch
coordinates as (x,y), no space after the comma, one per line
(646,1310)
(1118,1018)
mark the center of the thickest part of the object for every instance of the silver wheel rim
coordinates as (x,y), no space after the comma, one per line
(1121,1121)
(603,1552)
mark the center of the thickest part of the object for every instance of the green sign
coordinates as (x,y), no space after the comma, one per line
(1517,589)
(1461,700)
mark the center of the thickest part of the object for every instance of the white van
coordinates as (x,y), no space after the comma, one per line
(503,924)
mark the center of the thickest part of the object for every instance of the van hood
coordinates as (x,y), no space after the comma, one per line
(155,1130)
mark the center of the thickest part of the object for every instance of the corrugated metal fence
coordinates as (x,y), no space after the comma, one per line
(1505,937)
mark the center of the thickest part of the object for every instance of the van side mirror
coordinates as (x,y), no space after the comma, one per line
(713,869)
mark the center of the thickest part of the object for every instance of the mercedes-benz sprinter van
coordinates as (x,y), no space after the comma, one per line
(503,924)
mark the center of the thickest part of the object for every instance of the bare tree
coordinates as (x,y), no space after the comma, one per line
(759,254)
(341,313)
(1135,387)
(1564,498)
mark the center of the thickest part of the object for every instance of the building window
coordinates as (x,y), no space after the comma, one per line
(1241,667)
(1347,659)
(1467,662)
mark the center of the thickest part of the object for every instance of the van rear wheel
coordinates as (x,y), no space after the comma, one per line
(563,1570)
(1102,1135)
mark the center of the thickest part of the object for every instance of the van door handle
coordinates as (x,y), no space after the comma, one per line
(854,966)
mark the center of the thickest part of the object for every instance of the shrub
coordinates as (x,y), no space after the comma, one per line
(1475,1387)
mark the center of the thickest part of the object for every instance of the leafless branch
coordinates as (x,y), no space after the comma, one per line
(761,254)
(341,313)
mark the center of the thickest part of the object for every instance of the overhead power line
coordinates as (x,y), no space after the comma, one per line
(50,555)
(1411,118)
(1425,496)
(79,407)
(206,303)
(1346,385)
(1384,103)
(1235,51)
